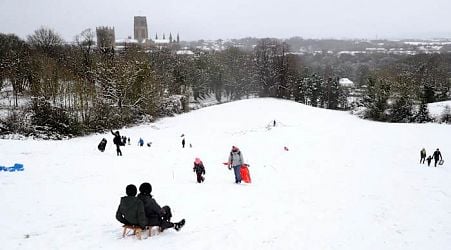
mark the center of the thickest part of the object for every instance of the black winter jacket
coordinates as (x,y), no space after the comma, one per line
(131,212)
(437,155)
(153,211)
(117,138)
(199,168)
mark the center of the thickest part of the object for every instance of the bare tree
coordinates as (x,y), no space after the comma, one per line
(45,39)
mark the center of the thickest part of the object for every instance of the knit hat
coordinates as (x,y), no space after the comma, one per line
(130,190)
(197,160)
(145,188)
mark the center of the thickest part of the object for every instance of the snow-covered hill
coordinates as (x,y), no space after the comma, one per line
(344,183)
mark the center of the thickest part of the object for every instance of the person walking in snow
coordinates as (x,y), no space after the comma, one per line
(429,159)
(422,155)
(235,162)
(156,215)
(141,142)
(117,141)
(199,169)
(131,209)
(183,142)
(437,156)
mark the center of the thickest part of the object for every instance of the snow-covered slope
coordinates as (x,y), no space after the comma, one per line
(436,109)
(344,183)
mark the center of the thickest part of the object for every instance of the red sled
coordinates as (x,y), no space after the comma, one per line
(244,171)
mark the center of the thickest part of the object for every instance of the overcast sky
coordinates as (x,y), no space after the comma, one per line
(213,19)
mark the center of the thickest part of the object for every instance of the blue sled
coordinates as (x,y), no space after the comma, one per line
(16,167)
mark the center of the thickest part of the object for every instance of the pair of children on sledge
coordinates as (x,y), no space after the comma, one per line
(143,210)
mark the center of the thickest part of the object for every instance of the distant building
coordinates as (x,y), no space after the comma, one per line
(125,43)
(185,51)
(166,43)
(345,82)
(354,93)
(105,37)
(140,29)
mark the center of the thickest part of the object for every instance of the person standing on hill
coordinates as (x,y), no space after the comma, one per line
(235,162)
(199,169)
(118,142)
(437,156)
(422,155)
(183,142)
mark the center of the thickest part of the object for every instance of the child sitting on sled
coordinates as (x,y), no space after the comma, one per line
(199,169)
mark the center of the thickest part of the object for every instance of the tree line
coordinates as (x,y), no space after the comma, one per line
(75,88)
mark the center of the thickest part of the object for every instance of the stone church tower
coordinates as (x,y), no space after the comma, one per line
(140,29)
(105,37)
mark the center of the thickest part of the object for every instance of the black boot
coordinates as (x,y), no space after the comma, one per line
(179,225)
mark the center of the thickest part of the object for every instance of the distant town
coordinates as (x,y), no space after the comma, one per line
(297,45)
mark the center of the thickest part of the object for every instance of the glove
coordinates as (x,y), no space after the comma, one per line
(229,167)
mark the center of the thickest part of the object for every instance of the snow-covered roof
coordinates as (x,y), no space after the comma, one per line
(184,52)
(161,41)
(345,82)
(126,40)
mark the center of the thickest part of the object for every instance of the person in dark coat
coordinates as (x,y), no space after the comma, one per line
(117,141)
(422,155)
(131,209)
(429,159)
(183,143)
(199,169)
(437,156)
(157,216)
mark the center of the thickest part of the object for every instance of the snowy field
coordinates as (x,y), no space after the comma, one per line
(344,183)
(436,108)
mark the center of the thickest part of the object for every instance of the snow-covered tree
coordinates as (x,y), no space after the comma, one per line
(423,114)
(446,114)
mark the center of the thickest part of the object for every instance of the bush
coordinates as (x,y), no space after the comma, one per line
(53,120)
(171,105)
(446,114)
(16,122)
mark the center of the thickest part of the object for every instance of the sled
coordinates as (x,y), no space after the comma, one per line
(152,230)
(244,171)
(102,145)
(16,167)
(441,162)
